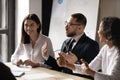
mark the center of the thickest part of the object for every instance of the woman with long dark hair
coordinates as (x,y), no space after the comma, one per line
(29,51)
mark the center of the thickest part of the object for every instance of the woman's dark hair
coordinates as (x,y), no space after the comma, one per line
(111,30)
(80,18)
(25,37)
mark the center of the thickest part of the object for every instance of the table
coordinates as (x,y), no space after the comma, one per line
(41,73)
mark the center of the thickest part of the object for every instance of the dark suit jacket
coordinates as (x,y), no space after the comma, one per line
(85,48)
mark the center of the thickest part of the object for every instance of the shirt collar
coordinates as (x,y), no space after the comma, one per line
(77,37)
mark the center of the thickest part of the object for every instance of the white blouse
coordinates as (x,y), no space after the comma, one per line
(25,51)
(108,60)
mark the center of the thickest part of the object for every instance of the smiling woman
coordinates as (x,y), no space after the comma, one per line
(29,51)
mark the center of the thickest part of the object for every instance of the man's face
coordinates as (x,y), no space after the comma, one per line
(71,27)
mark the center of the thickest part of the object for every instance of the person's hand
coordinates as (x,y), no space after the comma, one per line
(19,62)
(30,63)
(85,68)
(71,58)
(61,61)
(44,50)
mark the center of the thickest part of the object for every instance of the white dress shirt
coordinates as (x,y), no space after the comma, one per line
(108,60)
(25,51)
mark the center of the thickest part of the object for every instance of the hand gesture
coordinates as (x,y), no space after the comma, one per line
(19,62)
(44,50)
(61,61)
(30,63)
(85,68)
(71,58)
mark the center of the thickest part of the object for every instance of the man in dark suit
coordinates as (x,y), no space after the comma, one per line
(83,47)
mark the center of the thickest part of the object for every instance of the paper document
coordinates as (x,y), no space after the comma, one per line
(38,76)
(18,73)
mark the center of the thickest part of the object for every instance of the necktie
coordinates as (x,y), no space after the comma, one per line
(70,45)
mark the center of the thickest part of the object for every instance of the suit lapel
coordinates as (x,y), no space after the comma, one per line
(80,43)
(65,45)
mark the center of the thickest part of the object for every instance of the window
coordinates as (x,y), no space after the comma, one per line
(7,29)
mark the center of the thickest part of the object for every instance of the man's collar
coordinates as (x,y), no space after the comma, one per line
(78,37)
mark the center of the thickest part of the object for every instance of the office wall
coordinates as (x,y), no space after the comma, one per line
(35,6)
(108,8)
(23,8)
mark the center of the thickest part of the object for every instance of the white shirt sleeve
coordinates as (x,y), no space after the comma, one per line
(96,63)
(18,51)
(115,74)
(78,69)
